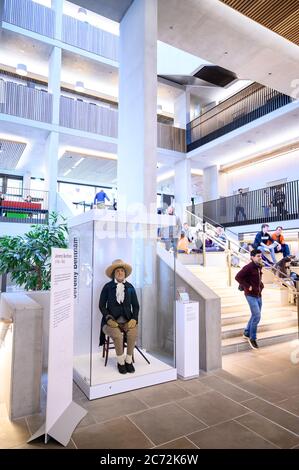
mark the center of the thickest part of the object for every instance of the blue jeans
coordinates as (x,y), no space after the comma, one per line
(255,305)
(265,249)
(285,250)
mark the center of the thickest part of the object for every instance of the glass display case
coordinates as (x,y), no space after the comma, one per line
(98,238)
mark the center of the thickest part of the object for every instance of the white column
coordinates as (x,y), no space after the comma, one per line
(27,182)
(211,183)
(137,116)
(182,186)
(182,110)
(51,169)
(57,6)
(54,82)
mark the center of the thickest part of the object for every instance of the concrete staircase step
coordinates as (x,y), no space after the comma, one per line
(265,338)
(231,318)
(236,330)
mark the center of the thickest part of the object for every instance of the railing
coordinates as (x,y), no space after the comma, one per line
(172,138)
(233,248)
(88,37)
(88,117)
(249,104)
(20,100)
(24,206)
(93,118)
(274,204)
(30,15)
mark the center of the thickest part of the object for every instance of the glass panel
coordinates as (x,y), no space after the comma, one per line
(14,186)
(97,245)
(79,198)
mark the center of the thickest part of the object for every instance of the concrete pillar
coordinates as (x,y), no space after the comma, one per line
(182,186)
(21,379)
(182,110)
(57,6)
(51,169)
(210,183)
(137,115)
(54,82)
(26,183)
(137,142)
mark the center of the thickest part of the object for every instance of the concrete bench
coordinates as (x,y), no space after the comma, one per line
(22,367)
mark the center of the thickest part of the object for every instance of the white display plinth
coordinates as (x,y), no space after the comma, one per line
(187,339)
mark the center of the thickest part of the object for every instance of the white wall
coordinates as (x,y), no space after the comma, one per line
(258,175)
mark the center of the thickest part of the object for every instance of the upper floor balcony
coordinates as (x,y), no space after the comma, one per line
(26,102)
(265,205)
(244,107)
(41,19)
(23,101)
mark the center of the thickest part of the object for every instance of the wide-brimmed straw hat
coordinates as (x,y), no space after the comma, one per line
(118,263)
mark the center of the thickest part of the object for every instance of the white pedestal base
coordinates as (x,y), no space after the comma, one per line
(106,381)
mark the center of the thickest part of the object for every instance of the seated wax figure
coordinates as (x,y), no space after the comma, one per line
(119,307)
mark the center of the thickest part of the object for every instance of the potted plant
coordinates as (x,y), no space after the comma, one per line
(28,257)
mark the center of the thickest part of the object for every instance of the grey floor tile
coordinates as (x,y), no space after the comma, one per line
(229,435)
(166,423)
(291,404)
(160,394)
(182,443)
(118,433)
(195,386)
(275,414)
(269,430)
(227,389)
(212,407)
(286,383)
(260,391)
(108,408)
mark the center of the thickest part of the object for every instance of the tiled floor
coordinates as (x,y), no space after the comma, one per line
(253,402)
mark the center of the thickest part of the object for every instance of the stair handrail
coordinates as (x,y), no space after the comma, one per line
(279,277)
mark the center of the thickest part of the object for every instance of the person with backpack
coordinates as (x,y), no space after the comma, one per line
(250,280)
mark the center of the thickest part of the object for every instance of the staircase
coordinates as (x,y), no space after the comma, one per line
(278,323)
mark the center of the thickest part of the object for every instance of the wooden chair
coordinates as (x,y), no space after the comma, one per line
(108,344)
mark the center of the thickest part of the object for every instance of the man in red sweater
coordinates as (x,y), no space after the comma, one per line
(250,279)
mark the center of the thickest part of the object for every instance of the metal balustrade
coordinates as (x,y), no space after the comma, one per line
(97,119)
(88,117)
(20,100)
(88,37)
(265,205)
(24,206)
(30,15)
(249,104)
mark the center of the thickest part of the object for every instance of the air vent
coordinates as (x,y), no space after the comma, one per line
(216,75)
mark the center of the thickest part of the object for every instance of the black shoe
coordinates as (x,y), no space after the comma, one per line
(122,368)
(245,336)
(253,343)
(130,368)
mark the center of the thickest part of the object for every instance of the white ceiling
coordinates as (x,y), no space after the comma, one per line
(102,170)
(216,32)
(270,131)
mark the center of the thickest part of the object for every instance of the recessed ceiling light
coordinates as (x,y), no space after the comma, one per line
(226,53)
(21,69)
(79,86)
(170,27)
(269,73)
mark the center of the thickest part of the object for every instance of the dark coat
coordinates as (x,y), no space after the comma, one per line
(262,238)
(110,308)
(251,275)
